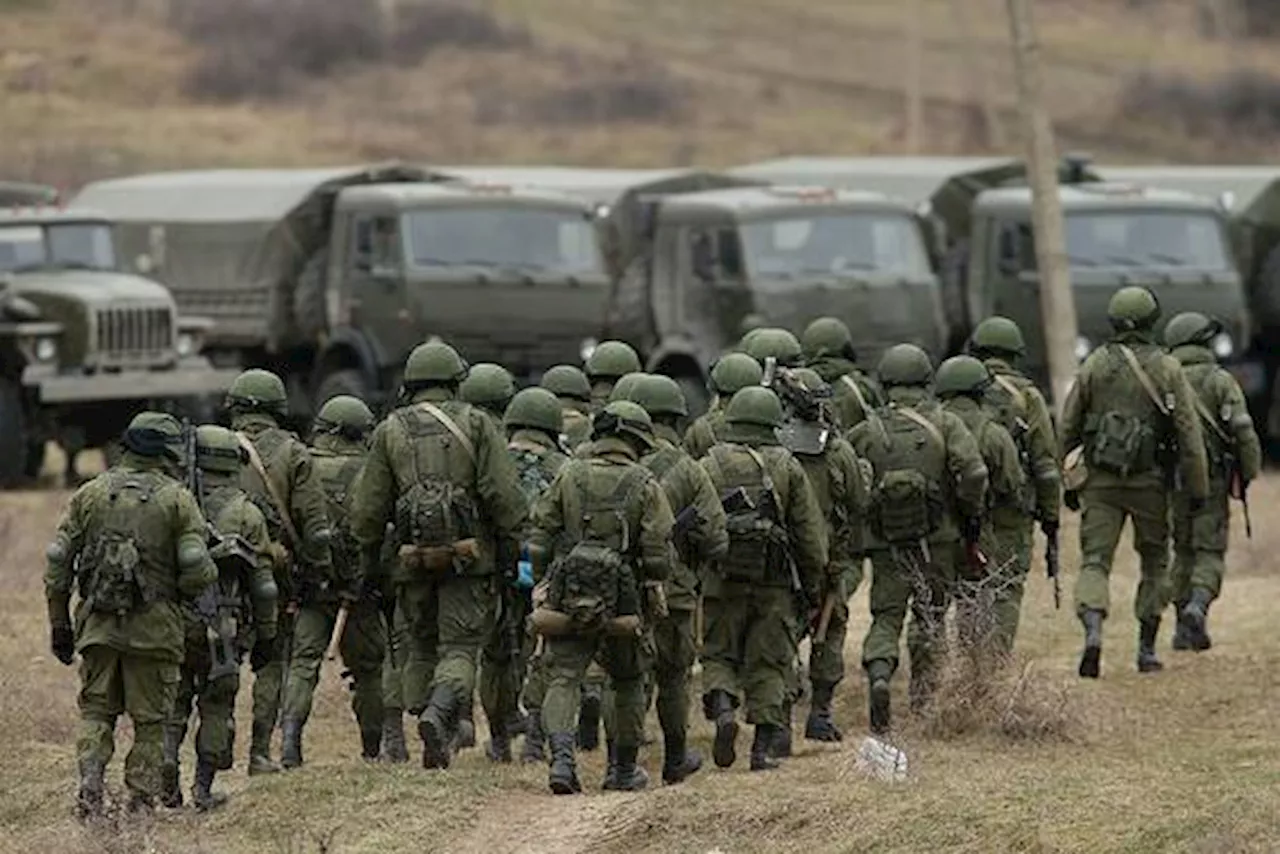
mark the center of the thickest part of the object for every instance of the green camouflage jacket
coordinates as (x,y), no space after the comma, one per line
(850,388)
(232,514)
(1222,400)
(841,487)
(338,463)
(1006,481)
(1015,394)
(537,461)
(705,430)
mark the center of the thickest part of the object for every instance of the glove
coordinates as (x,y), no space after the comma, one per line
(62,641)
(524,574)
(262,654)
(1049,529)
(1071,498)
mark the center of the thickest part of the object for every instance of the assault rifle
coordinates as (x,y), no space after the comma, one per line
(1053,568)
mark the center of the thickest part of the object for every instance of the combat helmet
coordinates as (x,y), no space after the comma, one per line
(624,418)
(346,416)
(776,343)
(1133,309)
(827,337)
(998,335)
(434,363)
(153,434)
(218,450)
(625,387)
(1191,327)
(733,372)
(610,360)
(961,375)
(567,381)
(755,405)
(904,365)
(660,396)
(534,409)
(256,390)
(488,385)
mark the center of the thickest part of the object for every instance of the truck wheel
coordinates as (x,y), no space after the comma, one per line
(14,444)
(349,381)
(310,309)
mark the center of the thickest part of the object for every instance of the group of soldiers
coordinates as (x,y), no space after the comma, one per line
(569,551)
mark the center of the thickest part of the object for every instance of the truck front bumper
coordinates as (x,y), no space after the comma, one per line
(189,378)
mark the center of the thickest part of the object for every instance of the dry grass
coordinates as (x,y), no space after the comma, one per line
(1186,761)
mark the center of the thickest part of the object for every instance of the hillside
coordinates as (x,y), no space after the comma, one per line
(96,87)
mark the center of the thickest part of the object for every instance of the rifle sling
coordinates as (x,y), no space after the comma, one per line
(1144,379)
(1207,417)
(452,426)
(255,460)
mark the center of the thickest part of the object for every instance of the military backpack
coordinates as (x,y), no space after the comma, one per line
(910,465)
(758,544)
(115,579)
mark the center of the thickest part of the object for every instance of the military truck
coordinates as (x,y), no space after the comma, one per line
(83,345)
(331,277)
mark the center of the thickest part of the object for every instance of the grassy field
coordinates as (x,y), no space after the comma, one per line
(1187,761)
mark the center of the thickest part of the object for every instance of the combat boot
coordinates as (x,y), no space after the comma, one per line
(563,776)
(679,763)
(92,785)
(610,765)
(436,727)
(534,738)
(879,674)
(393,744)
(370,741)
(1147,631)
(260,751)
(589,722)
(464,733)
(628,776)
(765,738)
(1196,614)
(1091,658)
(1181,630)
(170,773)
(718,707)
(820,726)
(781,748)
(499,749)
(291,743)
(1203,641)
(202,794)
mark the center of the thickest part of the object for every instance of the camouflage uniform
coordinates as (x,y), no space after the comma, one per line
(1233,450)
(828,351)
(918,573)
(439,450)
(393,702)
(256,400)
(730,374)
(571,386)
(752,601)
(132,544)
(1110,414)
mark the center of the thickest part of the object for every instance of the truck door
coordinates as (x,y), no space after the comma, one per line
(375,285)
(714,299)
(1013,285)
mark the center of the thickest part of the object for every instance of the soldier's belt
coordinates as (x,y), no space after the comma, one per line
(437,558)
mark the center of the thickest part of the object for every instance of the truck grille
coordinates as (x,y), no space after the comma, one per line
(134,336)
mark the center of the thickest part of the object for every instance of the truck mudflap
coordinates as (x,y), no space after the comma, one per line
(188,379)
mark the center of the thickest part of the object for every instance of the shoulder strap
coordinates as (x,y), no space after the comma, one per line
(1014,392)
(857,392)
(255,460)
(1207,417)
(1148,385)
(452,426)
(928,425)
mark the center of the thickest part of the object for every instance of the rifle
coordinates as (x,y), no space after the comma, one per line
(1052,568)
(1238,488)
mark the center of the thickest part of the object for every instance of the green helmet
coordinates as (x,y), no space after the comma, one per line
(998,335)
(624,417)
(258,390)
(434,363)
(218,449)
(827,336)
(755,405)
(961,375)
(625,387)
(488,385)
(610,360)
(778,343)
(567,381)
(905,365)
(345,415)
(1191,327)
(535,409)
(153,434)
(1133,309)
(660,395)
(734,372)
(809,378)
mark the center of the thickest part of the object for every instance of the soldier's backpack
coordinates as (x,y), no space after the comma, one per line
(115,580)
(910,464)
(1124,443)
(757,539)
(436,511)
(337,476)
(594,581)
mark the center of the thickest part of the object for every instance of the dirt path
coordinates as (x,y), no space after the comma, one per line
(537,824)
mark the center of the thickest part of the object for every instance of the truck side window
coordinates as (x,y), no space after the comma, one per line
(374,243)
(716,254)
(1016,247)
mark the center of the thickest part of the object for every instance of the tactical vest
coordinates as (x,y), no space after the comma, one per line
(222,507)
(128,560)
(661,463)
(758,547)
(1201,376)
(436,507)
(1008,405)
(1125,433)
(909,457)
(273,446)
(337,475)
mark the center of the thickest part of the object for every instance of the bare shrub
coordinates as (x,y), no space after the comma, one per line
(419,28)
(1245,101)
(634,90)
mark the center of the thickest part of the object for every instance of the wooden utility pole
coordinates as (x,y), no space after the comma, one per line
(914,78)
(1057,304)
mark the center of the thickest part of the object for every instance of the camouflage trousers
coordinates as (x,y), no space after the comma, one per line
(750,647)
(1200,544)
(503,660)
(989,609)
(393,661)
(268,685)
(112,683)
(1104,512)
(214,699)
(566,660)
(363,647)
(669,651)
(826,659)
(449,619)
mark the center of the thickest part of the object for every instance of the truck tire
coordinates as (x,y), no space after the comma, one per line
(310,308)
(349,381)
(14,443)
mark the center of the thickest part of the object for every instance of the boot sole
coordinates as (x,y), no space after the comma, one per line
(724,751)
(688,767)
(560,787)
(1150,667)
(1091,662)
(820,732)
(435,745)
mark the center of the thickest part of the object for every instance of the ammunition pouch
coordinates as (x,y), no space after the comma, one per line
(417,561)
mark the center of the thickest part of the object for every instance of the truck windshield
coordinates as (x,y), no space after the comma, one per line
(835,243)
(552,241)
(81,245)
(1146,239)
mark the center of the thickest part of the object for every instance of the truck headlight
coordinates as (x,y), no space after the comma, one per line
(1083,348)
(1223,345)
(587,347)
(186,344)
(46,349)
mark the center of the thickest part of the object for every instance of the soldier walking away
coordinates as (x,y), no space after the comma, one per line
(1018,405)
(601,550)
(774,570)
(828,350)
(232,618)
(608,363)
(929,490)
(730,374)
(439,470)
(489,388)
(347,602)
(571,386)
(1133,412)
(1235,457)
(773,343)
(280,480)
(132,544)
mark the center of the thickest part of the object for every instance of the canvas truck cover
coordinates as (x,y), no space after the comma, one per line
(16,193)
(229,243)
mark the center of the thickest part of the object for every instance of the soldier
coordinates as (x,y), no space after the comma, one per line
(439,469)
(281,481)
(775,343)
(730,374)
(489,388)
(533,424)
(340,438)
(1234,457)
(929,488)
(1021,409)
(840,484)
(604,530)
(608,362)
(962,384)
(571,386)
(828,350)
(700,539)
(245,598)
(132,544)
(1130,406)
(775,569)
